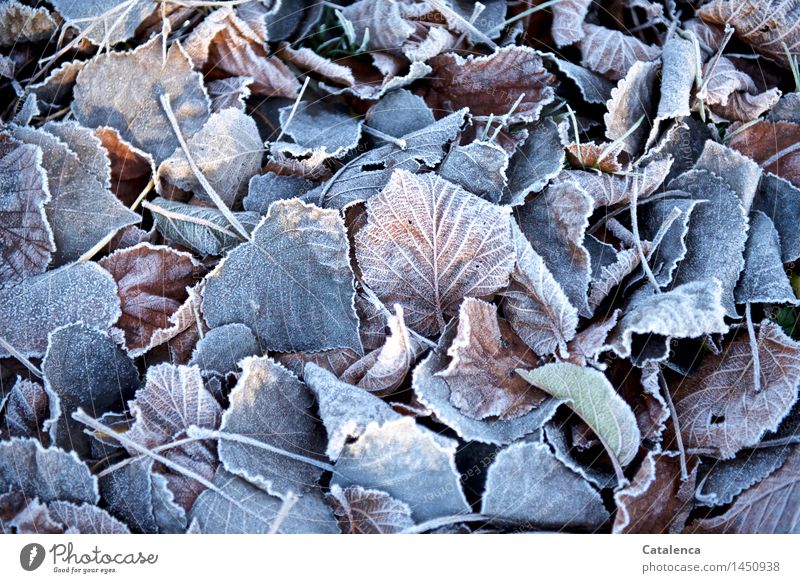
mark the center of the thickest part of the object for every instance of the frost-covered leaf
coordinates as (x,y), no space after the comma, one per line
(535,304)
(81,210)
(238,507)
(380,21)
(432,391)
(384,369)
(527,484)
(320,128)
(672,247)
(677,77)
(612,189)
(589,393)
(717,234)
(25,409)
(202,229)
(291,284)
(270,405)
(725,479)
(632,99)
(718,405)
(482,372)
(56,89)
(227,150)
(657,501)
(222,348)
(568,19)
(137,80)
(48,474)
(362,511)
(152,282)
(593,88)
(85,519)
(24,516)
(610,276)
(763,280)
(739,172)
(365,175)
(731,94)
(399,113)
(105,22)
(479,167)
(613,53)
(428,244)
(86,145)
(770,507)
(83,368)
(780,201)
(29,310)
(491,84)
(535,163)
(690,310)
(555,223)
(265,189)
(590,342)
(408,462)
(20,23)
(231,92)
(224,45)
(26,239)
(766,26)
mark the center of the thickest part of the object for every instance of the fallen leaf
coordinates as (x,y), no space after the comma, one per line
(611,52)
(362,511)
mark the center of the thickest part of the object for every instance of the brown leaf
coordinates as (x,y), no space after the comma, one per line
(491,84)
(587,155)
(770,507)
(362,511)
(773,146)
(765,26)
(611,52)
(26,409)
(21,24)
(152,282)
(482,373)
(657,501)
(26,240)
(428,244)
(131,168)
(223,45)
(732,95)
(718,406)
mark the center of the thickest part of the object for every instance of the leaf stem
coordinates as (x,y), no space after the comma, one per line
(676,424)
(20,357)
(751,334)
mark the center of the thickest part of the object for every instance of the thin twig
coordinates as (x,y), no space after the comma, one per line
(154,208)
(451,15)
(217,200)
(399,142)
(751,333)
(444,521)
(294,108)
(676,424)
(522,15)
(290,500)
(20,357)
(635,229)
(504,119)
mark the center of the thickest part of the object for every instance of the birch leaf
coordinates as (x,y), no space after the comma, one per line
(591,396)
(291,284)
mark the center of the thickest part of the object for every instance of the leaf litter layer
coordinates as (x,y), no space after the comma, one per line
(399,266)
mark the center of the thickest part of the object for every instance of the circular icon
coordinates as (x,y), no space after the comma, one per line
(31,556)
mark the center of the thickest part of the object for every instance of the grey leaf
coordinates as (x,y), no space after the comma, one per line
(535,163)
(613,53)
(399,113)
(738,171)
(690,310)
(84,369)
(717,234)
(677,78)
(721,482)
(632,98)
(86,145)
(291,284)
(128,495)
(365,175)
(246,509)
(26,409)
(555,223)
(188,225)
(409,463)
(222,348)
(527,484)
(627,260)
(593,87)
(321,129)
(81,210)
(105,22)
(568,21)
(227,150)
(137,86)
(47,474)
(29,311)
(86,519)
(763,280)
(229,92)
(267,188)
(479,167)
(535,304)
(672,248)
(20,23)
(269,404)
(779,199)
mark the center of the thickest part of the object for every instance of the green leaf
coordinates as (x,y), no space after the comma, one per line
(589,394)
